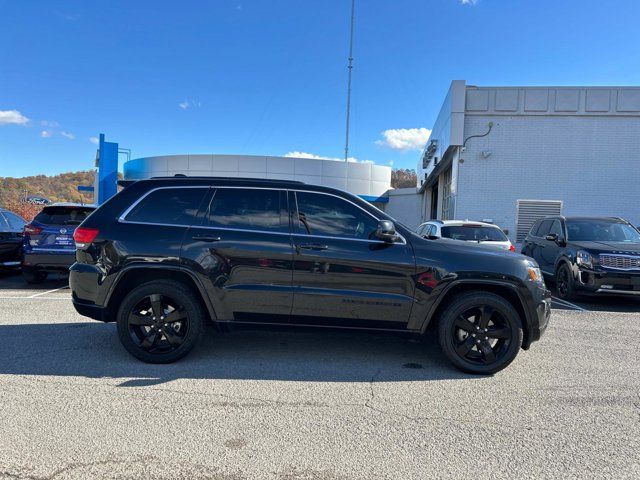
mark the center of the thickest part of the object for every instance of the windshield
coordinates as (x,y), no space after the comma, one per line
(63,215)
(601,231)
(474,233)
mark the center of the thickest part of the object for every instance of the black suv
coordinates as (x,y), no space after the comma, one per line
(166,255)
(586,255)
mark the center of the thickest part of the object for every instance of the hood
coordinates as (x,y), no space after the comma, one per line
(622,248)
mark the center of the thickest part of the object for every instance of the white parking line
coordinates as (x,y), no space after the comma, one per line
(565,303)
(48,291)
(34,298)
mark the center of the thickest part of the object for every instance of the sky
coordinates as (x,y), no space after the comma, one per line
(269,77)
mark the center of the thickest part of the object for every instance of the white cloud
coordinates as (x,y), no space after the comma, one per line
(404,138)
(189,104)
(12,117)
(469,2)
(94,140)
(68,135)
(46,133)
(296,154)
(47,123)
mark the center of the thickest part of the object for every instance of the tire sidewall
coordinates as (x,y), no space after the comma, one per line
(570,283)
(176,291)
(459,306)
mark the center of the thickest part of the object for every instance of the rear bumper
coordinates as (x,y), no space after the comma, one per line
(86,283)
(49,261)
(601,282)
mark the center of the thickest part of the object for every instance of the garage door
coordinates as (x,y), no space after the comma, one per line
(528,211)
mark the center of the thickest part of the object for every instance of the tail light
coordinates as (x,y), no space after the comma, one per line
(84,236)
(31,229)
(512,248)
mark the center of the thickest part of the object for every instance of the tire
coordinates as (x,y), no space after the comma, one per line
(31,276)
(565,283)
(464,340)
(173,334)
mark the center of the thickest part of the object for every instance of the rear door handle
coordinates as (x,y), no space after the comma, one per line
(311,246)
(206,238)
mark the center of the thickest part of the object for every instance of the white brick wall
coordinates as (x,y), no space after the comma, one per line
(591,163)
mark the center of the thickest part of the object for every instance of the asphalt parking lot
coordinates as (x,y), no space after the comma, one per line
(312,405)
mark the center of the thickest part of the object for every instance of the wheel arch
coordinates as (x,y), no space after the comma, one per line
(505,290)
(134,276)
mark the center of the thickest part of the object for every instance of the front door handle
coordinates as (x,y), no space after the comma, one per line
(311,246)
(206,238)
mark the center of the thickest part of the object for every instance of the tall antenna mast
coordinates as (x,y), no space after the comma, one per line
(350,69)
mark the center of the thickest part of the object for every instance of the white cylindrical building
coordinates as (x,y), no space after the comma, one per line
(367,180)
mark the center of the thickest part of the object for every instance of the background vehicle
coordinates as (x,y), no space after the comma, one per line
(476,232)
(587,255)
(48,240)
(11,226)
(167,254)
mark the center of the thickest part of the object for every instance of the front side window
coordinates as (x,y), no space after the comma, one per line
(556,228)
(544,228)
(168,206)
(331,216)
(248,209)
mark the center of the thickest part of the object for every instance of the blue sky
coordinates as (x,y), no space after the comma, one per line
(268,77)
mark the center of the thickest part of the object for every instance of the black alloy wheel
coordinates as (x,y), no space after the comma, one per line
(564,283)
(160,321)
(480,332)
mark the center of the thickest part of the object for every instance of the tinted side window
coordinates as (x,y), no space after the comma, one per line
(172,206)
(331,216)
(556,228)
(545,226)
(534,228)
(250,209)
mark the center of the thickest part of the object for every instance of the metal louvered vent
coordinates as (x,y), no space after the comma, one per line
(528,211)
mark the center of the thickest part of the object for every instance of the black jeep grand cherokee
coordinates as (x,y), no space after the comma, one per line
(166,255)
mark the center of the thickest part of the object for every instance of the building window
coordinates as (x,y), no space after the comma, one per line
(447,201)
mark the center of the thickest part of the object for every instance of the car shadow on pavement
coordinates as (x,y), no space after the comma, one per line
(608,303)
(92,350)
(12,280)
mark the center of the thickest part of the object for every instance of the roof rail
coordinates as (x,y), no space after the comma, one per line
(227,179)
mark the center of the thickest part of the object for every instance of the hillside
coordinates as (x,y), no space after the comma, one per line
(57,188)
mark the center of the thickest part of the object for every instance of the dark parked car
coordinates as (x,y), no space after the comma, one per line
(586,255)
(48,240)
(11,226)
(166,255)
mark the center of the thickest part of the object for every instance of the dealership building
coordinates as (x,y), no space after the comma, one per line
(507,155)
(510,155)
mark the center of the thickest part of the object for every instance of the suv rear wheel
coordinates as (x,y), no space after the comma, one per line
(33,276)
(480,332)
(160,321)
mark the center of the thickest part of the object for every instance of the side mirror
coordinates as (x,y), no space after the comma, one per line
(552,237)
(386,231)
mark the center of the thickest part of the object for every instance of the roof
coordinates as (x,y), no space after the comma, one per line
(599,219)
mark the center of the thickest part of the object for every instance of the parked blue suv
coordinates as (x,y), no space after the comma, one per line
(48,244)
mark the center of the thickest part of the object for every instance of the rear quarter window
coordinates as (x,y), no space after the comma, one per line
(168,206)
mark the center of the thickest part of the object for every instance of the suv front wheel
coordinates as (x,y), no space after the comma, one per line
(480,332)
(160,321)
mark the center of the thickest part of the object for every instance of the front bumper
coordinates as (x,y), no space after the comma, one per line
(49,261)
(539,315)
(608,282)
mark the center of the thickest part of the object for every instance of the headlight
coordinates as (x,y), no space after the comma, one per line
(584,259)
(535,274)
